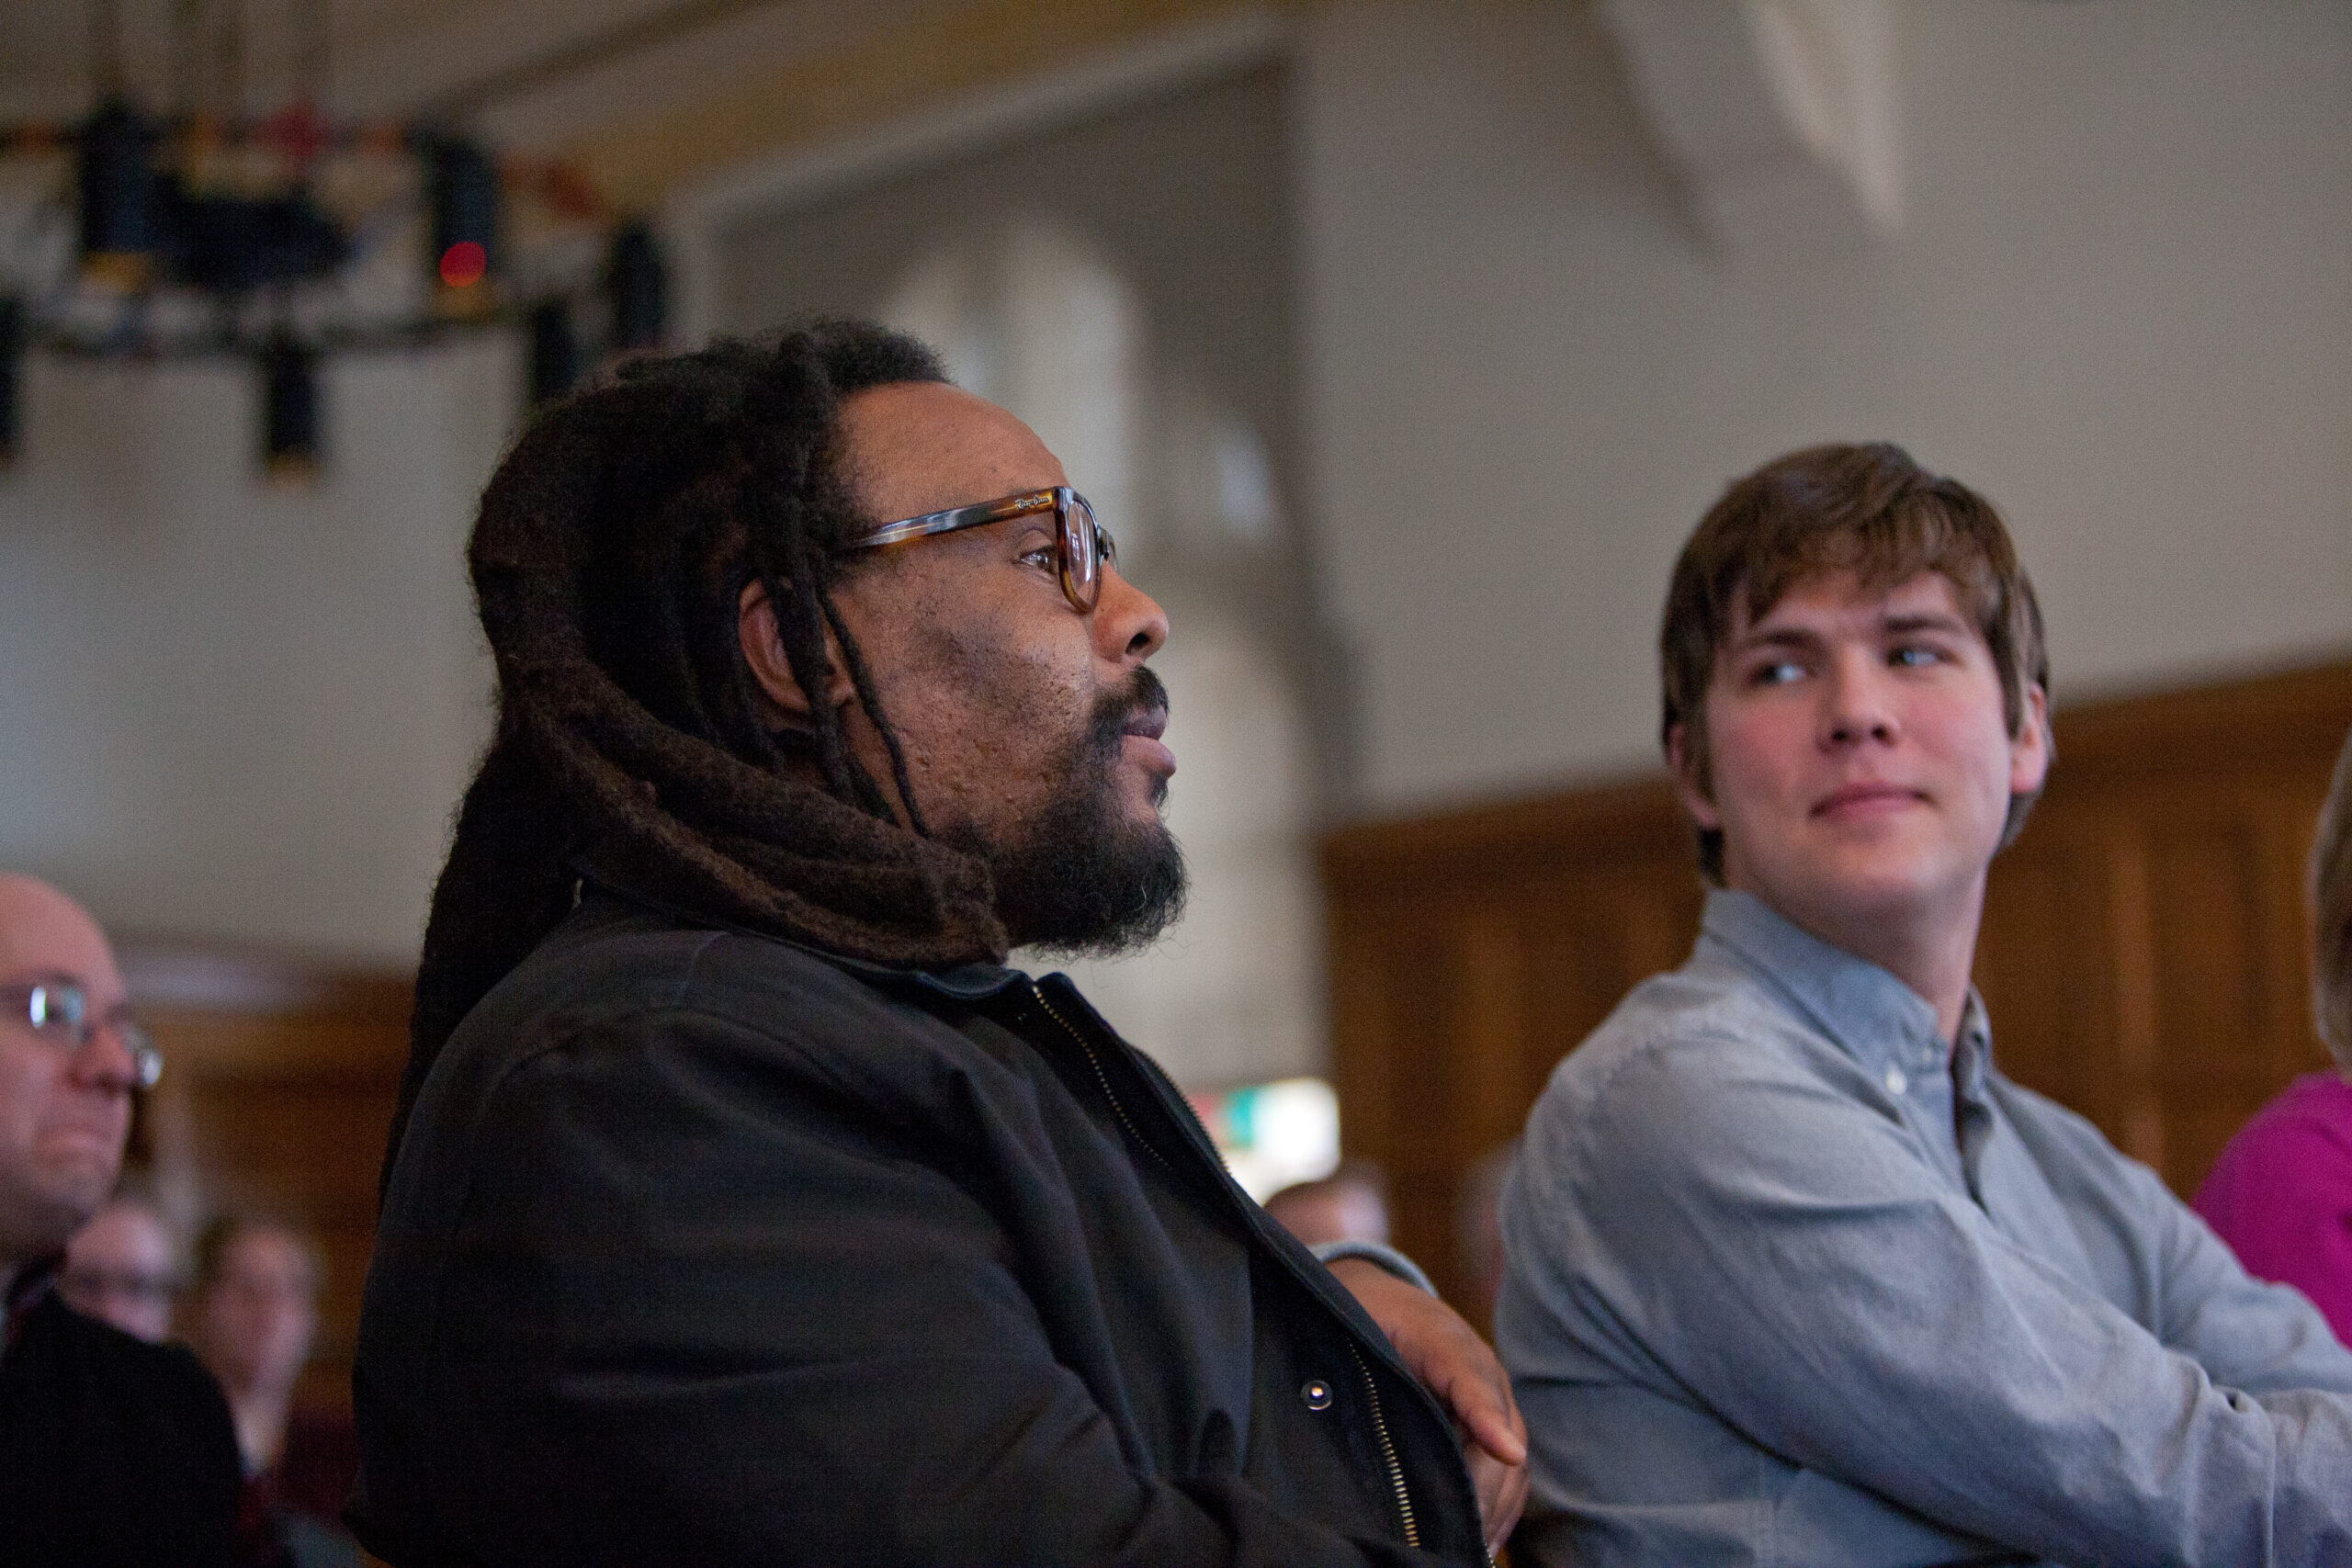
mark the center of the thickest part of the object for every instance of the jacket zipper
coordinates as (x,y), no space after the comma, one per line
(1388,1451)
(1094,1061)
(1372,1389)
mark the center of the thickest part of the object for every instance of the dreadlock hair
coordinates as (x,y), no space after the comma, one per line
(608,559)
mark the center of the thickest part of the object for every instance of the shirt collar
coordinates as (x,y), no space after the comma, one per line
(1878,1019)
(1973,1050)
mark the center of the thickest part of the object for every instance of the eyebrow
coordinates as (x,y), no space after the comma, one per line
(1904,625)
(44,978)
(1779,637)
(1924,621)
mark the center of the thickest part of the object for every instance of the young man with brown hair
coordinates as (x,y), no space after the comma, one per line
(1795,1275)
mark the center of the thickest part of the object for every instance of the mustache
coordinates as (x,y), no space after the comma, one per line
(1113,709)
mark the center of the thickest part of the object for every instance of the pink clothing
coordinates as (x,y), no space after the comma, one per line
(2281,1194)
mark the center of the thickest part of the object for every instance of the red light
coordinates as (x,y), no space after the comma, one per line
(463,264)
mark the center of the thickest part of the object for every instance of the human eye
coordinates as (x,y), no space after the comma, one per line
(54,1008)
(1775,673)
(1915,656)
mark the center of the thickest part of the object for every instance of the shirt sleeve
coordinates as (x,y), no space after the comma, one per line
(696,1315)
(2281,1197)
(1781,1252)
(1388,1258)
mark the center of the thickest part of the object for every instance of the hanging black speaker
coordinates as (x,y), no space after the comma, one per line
(12,375)
(117,188)
(462,194)
(555,351)
(640,286)
(291,409)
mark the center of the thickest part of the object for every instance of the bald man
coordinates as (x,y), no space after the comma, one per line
(113,1451)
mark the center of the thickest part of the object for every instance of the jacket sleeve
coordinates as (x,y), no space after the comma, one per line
(1798,1272)
(698,1310)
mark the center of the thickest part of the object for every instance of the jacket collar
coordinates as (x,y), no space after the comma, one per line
(29,1289)
(961,982)
(1875,1018)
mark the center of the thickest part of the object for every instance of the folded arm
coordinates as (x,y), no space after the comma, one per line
(1799,1272)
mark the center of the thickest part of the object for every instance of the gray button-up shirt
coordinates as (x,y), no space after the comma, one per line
(1785,1287)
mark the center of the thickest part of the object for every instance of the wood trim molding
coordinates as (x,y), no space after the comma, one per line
(2282,717)
(2285,715)
(2143,953)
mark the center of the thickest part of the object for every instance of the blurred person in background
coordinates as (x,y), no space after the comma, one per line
(1350,1204)
(123,1268)
(113,1451)
(742,1206)
(2281,1194)
(253,1314)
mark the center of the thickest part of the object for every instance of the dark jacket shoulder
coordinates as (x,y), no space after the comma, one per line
(112,1450)
(704,1247)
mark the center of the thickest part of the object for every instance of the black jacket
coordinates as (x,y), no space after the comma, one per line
(113,1454)
(704,1249)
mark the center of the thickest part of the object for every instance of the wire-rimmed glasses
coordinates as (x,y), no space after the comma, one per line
(58,1013)
(1082,545)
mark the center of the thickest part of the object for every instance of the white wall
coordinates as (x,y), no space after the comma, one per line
(2121,305)
(233,712)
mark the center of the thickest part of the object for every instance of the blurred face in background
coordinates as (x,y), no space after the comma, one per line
(123,1268)
(254,1320)
(1334,1208)
(65,1111)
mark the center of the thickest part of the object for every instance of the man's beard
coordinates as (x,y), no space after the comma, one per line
(1079,879)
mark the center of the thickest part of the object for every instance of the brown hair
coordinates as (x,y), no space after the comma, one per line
(2332,901)
(1868,510)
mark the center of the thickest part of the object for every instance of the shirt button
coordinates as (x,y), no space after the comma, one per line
(1317,1394)
(1896,1082)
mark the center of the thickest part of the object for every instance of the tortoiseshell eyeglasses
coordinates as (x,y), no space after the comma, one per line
(1081,545)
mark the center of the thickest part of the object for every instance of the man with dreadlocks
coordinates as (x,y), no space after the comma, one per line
(742,1208)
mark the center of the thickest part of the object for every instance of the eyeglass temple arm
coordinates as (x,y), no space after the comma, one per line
(976,515)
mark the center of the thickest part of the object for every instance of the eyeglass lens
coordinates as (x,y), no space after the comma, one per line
(1081,551)
(60,1012)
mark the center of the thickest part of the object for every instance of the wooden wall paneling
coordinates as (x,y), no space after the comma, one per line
(2143,956)
(1468,954)
(2138,1115)
(2206,891)
(2046,963)
(279,1084)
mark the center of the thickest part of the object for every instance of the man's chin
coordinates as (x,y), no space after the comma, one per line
(1116,899)
(62,1202)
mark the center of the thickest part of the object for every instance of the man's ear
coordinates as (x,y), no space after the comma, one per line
(1682,757)
(2030,748)
(762,644)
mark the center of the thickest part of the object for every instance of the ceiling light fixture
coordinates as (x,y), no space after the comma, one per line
(205,231)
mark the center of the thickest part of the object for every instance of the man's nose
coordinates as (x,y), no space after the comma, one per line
(1129,625)
(1857,705)
(103,1060)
